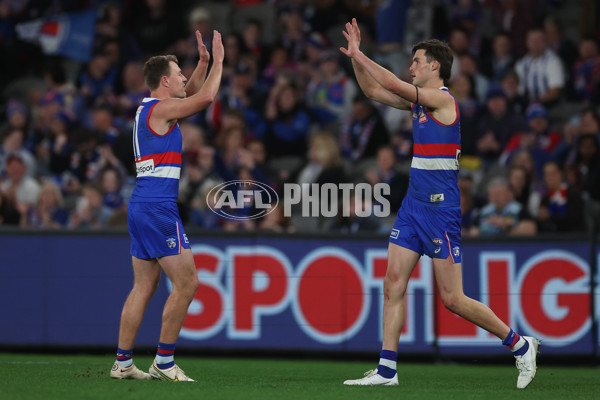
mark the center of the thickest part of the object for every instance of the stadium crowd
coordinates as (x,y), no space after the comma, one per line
(290,110)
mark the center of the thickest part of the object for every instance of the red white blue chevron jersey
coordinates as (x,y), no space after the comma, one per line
(157,158)
(153,219)
(436,150)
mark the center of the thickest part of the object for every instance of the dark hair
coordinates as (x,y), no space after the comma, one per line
(157,67)
(438,51)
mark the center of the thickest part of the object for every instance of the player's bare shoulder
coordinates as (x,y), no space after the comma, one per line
(446,111)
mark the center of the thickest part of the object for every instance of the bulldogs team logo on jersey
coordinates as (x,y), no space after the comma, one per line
(172,243)
(422,116)
(456,251)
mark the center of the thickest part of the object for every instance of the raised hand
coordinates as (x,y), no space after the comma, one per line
(217,47)
(202,50)
(352,34)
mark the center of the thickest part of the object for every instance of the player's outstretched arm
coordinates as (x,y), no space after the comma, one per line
(197,79)
(172,109)
(370,86)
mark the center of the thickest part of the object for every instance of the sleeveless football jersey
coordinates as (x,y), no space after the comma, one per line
(157,158)
(436,151)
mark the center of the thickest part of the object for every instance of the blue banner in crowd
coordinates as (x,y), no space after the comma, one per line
(289,293)
(70,35)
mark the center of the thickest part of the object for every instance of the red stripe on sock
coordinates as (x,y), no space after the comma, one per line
(164,352)
(515,340)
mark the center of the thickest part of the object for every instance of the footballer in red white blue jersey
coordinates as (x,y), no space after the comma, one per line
(429,220)
(436,151)
(153,219)
(157,158)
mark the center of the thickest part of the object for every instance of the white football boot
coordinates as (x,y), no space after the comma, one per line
(372,378)
(527,363)
(131,372)
(173,374)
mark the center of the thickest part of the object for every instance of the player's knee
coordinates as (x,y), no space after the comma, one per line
(452,302)
(394,287)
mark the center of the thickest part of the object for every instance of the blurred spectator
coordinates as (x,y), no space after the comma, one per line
(186,48)
(324,161)
(293,35)
(156,25)
(111,184)
(289,122)
(539,139)
(202,204)
(501,60)
(276,222)
(586,122)
(12,142)
(503,215)
(110,26)
(364,131)
(541,72)
(559,43)
(98,79)
(49,211)
(330,95)
(20,190)
(584,175)
(514,17)
(561,209)
(90,210)
(385,171)
(61,92)
(522,188)
(462,87)
(390,23)
(279,62)
(468,65)
(468,204)
(496,126)
(252,35)
(234,49)
(354,222)
(586,72)
(16,115)
(459,42)
(134,91)
(8,213)
(517,102)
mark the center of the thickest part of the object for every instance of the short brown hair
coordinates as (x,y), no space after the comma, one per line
(438,51)
(157,67)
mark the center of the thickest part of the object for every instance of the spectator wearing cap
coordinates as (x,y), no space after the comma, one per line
(539,139)
(331,93)
(496,125)
(541,72)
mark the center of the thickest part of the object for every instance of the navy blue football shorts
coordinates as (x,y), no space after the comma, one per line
(431,231)
(156,230)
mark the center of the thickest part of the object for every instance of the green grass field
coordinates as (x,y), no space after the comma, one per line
(31,376)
